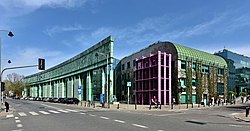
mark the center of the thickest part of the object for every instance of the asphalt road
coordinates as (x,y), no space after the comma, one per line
(41,116)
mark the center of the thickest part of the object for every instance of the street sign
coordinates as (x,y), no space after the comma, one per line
(128,84)
(79,90)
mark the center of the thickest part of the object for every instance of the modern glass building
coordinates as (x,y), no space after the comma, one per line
(84,76)
(196,76)
(239,71)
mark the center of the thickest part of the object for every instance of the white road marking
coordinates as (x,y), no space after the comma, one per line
(63,111)
(71,110)
(16,118)
(17,130)
(44,112)
(52,111)
(51,107)
(106,118)
(33,113)
(83,113)
(19,125)
(141,126)
(119,121)
(92,115)
(236,125)
(18,121)
(22,114)
(9,116)
(160,130)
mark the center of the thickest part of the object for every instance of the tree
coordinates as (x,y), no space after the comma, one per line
(14,84)
(189,84)
(199,88)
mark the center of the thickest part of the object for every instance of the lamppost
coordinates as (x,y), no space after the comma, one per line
(10,34)
(107,85)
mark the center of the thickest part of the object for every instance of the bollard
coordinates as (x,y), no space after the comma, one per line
(93,104)
(192,105)
(247,111)
(135,106)
(150,107)
(81,103)
(118,106)
(85,104)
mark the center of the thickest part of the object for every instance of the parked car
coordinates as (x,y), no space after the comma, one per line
(71,101)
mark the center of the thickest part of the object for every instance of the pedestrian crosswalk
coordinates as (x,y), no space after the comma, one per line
(47,112)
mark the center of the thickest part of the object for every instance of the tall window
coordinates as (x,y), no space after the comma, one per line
(134,62)
(182,82)
(193,82)
(220,71)
(205,69)
(194,67)
(128,65)
(122,66)
(183,65)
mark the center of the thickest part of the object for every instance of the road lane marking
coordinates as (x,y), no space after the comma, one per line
(33,113)
(71,110)
(103,117)
(9,116)
(119,121)
(18,121)
(141,126)
(19,125)
(63,111)
(83,113)
(44,112)
(22,114)
(51,106)
(52,111)
(18,130)
(16,118)
(92,115)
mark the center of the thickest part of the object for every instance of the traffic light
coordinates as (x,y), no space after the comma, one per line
(2,86)
(41,64)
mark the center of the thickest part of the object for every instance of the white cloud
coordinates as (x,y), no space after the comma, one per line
(58,29)
(34,4)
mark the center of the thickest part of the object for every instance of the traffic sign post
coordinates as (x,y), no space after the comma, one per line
(79,90)
(128,85)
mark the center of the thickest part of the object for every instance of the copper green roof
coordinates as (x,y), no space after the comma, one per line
(196,55)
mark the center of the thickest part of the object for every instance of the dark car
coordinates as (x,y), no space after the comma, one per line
(71,101)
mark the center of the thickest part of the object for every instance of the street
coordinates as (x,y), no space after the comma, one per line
(43,116)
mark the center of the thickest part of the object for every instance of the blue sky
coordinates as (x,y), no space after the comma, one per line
(60,29)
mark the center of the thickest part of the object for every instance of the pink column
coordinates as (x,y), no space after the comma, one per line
(159,76)
(169,80)
(165,81)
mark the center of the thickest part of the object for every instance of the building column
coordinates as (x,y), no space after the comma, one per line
(111,83)
(80,84)
(159,76)
(89,87)
(165,78)
(169,80)
(103,81)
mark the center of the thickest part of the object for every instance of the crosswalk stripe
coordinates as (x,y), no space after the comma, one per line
(71,110)
(22,114)
(33,113)
(63,111)
(9,116)
(53,111)
(44,112)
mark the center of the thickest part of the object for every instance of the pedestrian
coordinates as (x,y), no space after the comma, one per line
(7,106)
(155,101)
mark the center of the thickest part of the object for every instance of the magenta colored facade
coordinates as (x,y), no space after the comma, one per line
(153,78)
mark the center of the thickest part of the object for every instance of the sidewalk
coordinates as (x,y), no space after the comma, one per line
(4,113)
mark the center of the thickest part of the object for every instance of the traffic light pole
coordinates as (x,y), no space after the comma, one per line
(10,68)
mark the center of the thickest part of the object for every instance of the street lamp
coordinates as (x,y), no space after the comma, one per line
(107,85)
(10,34)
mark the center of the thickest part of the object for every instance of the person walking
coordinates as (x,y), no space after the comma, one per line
(7,106)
